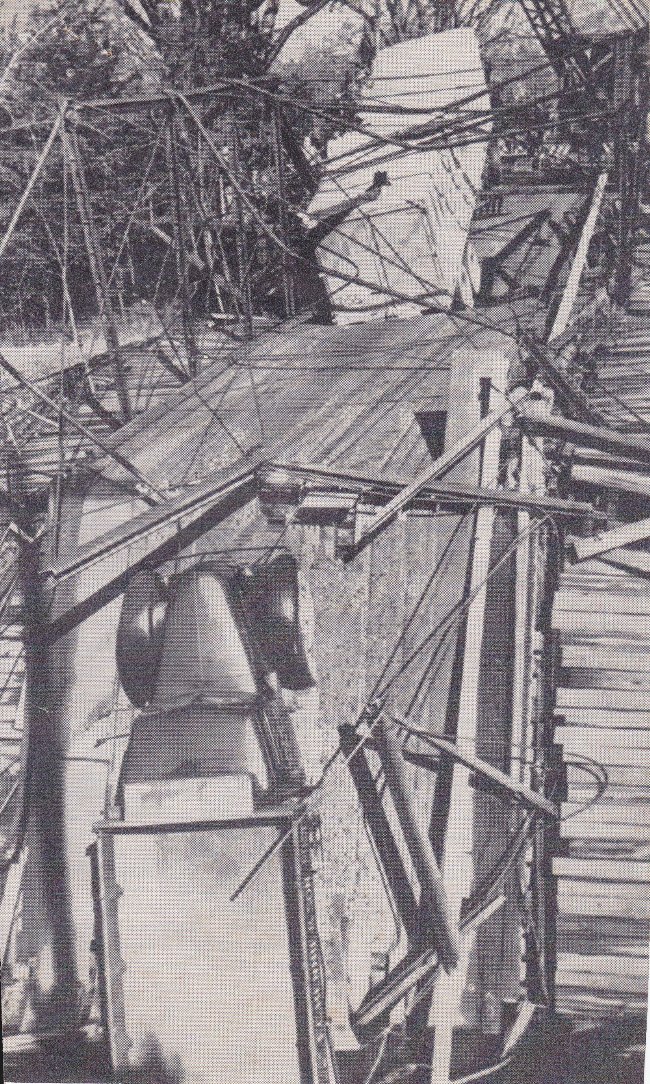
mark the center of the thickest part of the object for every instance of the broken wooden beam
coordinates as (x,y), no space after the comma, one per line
(593,436)
(622,480)
(570,292)
(509,787)
(377,490)
(440,466)
(380,831)
(614,539)
(433,900)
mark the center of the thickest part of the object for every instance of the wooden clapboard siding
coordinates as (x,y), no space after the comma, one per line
(605,821)
(630,601)
(612,900)
(601,870)
(607,699)
(583,678)
(602,615)
(589,656)
(615,746)
(602,717)
(605,622)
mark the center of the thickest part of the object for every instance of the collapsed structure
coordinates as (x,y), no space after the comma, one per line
(322,759)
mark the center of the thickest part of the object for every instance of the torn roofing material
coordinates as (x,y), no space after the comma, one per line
(408,232)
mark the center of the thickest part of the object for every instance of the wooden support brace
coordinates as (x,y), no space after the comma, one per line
(497,779)
(439,467)
(617,537)
(577,267)
(592,436)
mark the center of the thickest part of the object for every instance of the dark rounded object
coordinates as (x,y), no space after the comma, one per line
(140,634)
(279,606)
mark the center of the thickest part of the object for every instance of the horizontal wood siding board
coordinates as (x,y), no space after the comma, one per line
(602,622)
(607,718)
(601,870)
(607,699)
(631,601)
(602,964)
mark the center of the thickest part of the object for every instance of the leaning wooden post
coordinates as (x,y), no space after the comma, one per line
(72,155)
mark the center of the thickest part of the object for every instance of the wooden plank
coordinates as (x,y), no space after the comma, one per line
(576,678)
(586,826)
(616,983)
(604,926)
(615,538)
(575,1005)
(613,902)
(594,657)
(604,699)
(602,623)
(592,436)
(602,963)
(578,263)
(606,744)
(623,481)
(616,813)
(638,796)
(618,775)
(441,465)
(575,942)
(605,718)
(601,869)
(635,601)
(458,852)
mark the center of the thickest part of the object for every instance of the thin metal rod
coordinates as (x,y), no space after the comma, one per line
(15,218)
(149,487)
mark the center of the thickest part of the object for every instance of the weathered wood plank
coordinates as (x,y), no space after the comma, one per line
(615,538)
(613,902)
(602,623)
(578,678)
(594,657)
(602,964)
(606,699)
(605,869)
(615,600)
(569,1004)
(458,853)
(607,745)
(612,982)
(606,718)
(587,826)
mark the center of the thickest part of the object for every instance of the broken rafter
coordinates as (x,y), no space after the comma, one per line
(375,490)
(570,292)
(439,467)
(585,548)
(591,436)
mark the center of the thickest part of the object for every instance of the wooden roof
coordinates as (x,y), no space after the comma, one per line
(360,386)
